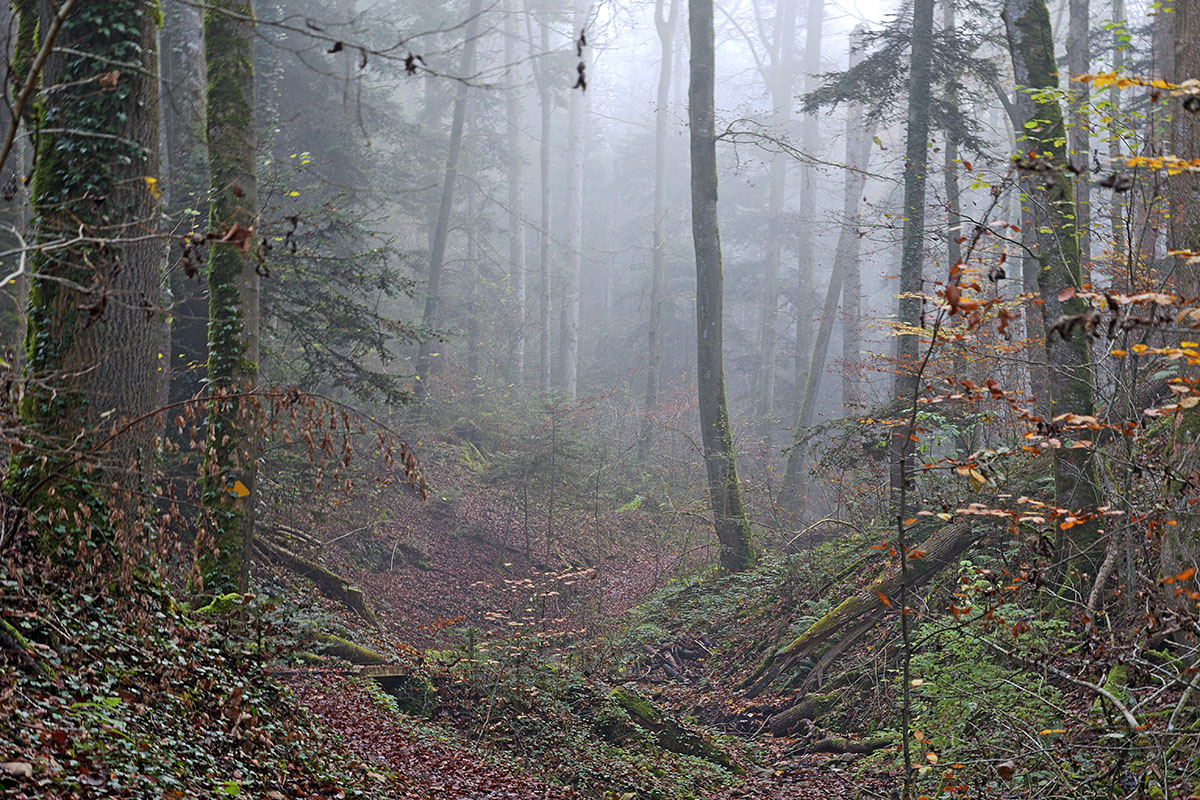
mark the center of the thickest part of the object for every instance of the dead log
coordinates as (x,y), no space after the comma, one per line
(671,734)
(792,719)
(942,548)
(332,585)
(348,650)
(836,744)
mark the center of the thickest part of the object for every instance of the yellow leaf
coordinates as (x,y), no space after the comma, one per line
(978,480)
(931,757)
(1189,402)
(152,186)
(944,517)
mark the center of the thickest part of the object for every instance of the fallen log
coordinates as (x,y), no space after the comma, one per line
(793,718)
(836,744)
(942,548)
(332,585)
(671,734)
(348,650)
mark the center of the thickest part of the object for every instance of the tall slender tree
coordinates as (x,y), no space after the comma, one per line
(912,256)
(1079,61)
(729,515)
(513,98)
(572,272)
(1056,240)
(666,20)
(845,263)
(780,79)
(810,140)
(441,231)
(233,294)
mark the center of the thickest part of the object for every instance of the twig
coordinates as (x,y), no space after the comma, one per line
(31,79)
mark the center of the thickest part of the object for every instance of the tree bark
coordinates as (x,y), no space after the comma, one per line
(1079,60)
(94,319)
(1027,26)
(665,23)
(233,293)
(1181,544)
(441,231)
(916,161)
(729,515)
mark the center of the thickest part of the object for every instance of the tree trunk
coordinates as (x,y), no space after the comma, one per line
(94,321)
(665,22)
(546,100)
(729,515)
(1181,544)
(810,143)
(781,79)
(845,260)
(185,190)
(1079,61)
(916,162)
(516,191)
(233,294)
(572,277)
(950,163)
(1027,25)
(441,231)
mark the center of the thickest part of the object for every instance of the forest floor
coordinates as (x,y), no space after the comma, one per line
(455,565)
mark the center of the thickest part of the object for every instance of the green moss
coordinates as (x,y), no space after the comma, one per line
(221,605)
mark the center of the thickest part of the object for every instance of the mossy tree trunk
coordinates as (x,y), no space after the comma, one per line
(1052,205)
(94,316)
(233,291)
(729,515)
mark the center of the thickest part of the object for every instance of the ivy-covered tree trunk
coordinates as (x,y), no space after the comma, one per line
(441,231)
(1052,205)
(233,291)
(729,515)
(665,23)
(94,317)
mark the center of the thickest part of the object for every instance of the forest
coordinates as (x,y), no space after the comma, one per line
(629,400)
